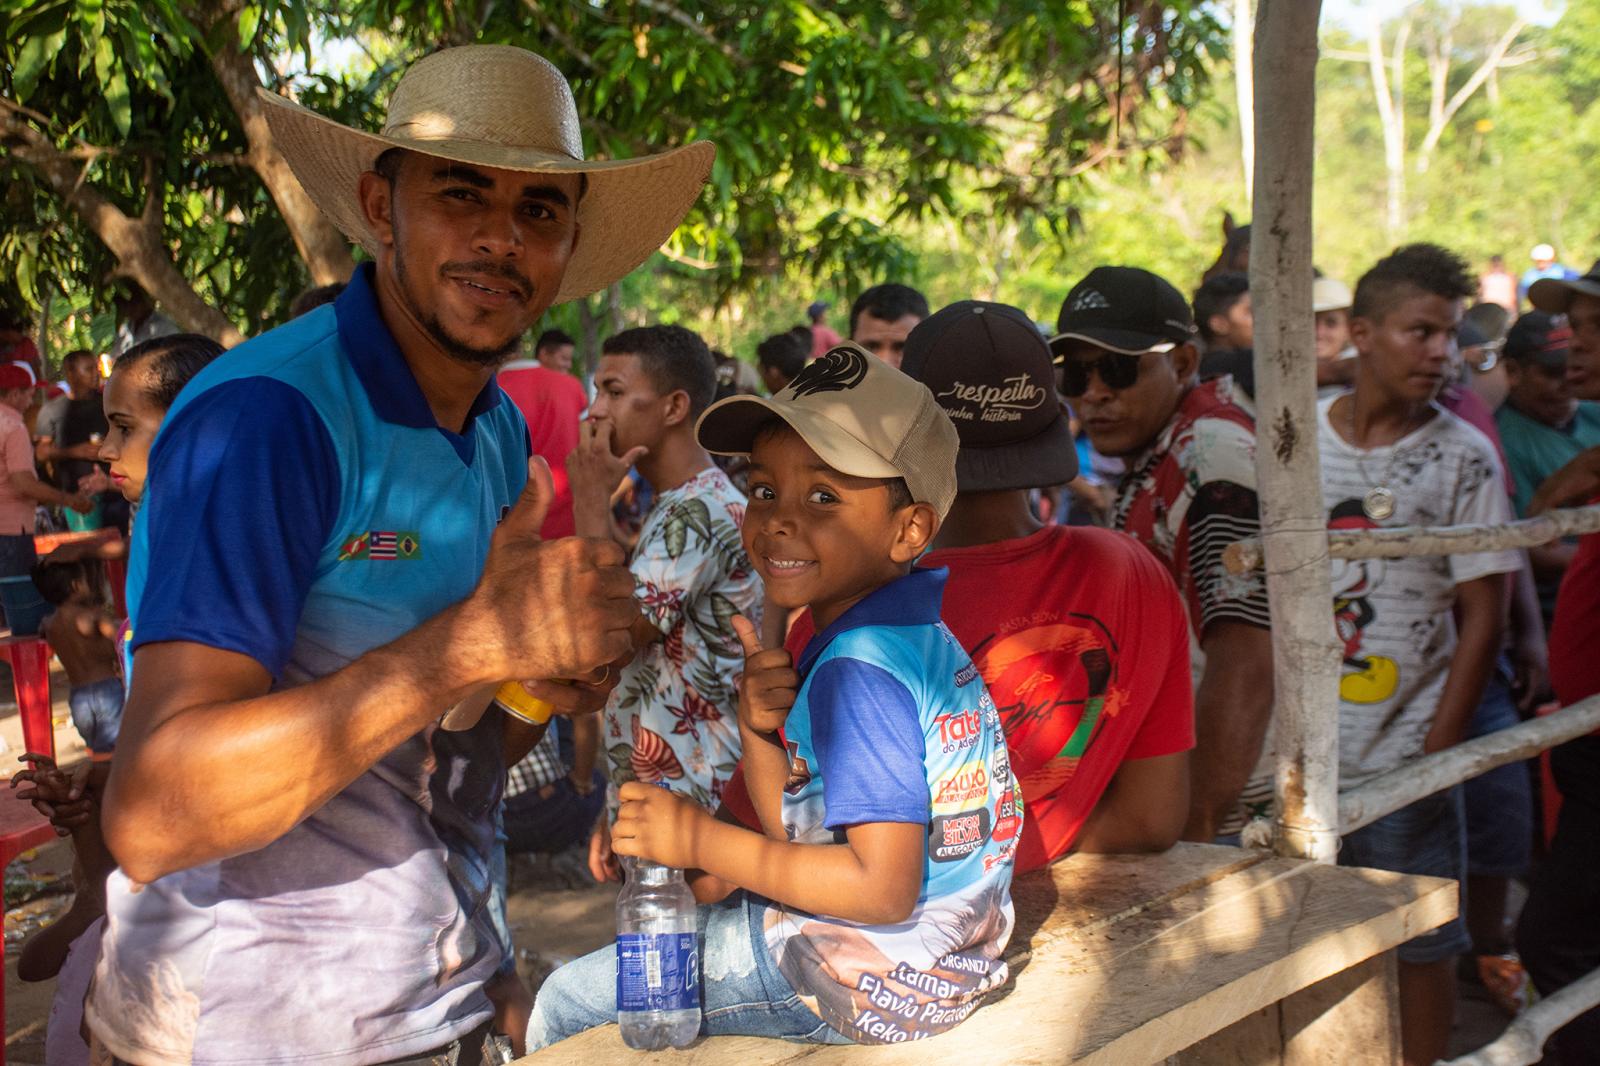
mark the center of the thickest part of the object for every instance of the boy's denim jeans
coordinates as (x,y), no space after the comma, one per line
(743,994)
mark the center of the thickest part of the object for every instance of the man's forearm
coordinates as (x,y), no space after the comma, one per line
(1232,709)
(236,774)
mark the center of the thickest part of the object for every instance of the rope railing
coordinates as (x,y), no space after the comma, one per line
(1243,556)
(1388,792)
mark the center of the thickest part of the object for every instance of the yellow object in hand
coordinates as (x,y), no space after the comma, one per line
(515,699)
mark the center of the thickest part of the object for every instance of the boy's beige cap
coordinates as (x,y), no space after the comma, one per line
(860,415)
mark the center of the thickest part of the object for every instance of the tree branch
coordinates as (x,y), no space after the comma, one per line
(1463,94)
(137,243)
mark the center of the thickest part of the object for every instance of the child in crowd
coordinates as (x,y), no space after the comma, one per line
(877,904)
(144,382)
(82,634)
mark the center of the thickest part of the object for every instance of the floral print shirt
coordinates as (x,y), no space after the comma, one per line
(673,716)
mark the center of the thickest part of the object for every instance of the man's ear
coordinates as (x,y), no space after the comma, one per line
(677,409)
(918,525)
(1361,330)
(377,204)
(1185,361)
(1513,372)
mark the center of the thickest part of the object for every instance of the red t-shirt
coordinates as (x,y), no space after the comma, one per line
(1067,619)
(1574,666)
(553,404)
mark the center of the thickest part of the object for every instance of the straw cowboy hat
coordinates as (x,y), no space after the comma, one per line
(502,107)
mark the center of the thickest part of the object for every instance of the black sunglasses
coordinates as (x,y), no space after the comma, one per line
(1116,370)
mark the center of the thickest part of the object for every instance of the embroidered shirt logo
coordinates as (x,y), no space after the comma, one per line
(381,544)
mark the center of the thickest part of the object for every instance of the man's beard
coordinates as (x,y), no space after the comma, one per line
(454,346)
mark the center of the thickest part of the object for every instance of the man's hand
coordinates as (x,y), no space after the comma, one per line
(659,825)
(1530,671)
(1574,484)
(603,865)
(61,797)
(88,451)
(77,501)
(594,473)
(98,481)
(770,685)
(560,609)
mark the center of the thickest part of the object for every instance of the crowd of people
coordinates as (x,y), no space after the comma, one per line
(892,615)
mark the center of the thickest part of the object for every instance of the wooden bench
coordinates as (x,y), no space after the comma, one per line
(1203,954)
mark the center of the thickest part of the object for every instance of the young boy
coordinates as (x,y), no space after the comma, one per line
(877,904)
(1421,635)
(82,635)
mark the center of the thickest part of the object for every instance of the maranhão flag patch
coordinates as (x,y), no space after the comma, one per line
(381,544)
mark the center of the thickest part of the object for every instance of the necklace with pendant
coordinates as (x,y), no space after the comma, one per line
(1379,502)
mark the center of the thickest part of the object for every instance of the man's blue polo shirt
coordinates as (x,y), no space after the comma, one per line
(303,507)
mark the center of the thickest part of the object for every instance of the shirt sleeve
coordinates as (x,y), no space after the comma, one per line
(867,733)
(1168,726)
(1225,508)
(244,491)
(18,453)
(49,421)
(687,554)
(1481,500)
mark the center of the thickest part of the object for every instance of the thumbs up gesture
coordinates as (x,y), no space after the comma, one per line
(770,685)
(547,609)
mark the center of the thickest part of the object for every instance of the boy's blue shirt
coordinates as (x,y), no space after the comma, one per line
(893,724)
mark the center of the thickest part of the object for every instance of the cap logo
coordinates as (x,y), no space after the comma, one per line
(838,370)
(1089,299)
(998,403)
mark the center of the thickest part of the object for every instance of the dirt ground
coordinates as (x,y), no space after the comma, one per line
(556,912)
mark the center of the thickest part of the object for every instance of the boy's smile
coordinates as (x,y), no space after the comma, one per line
(820,538)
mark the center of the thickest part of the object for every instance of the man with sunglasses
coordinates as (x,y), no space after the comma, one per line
(1128,361)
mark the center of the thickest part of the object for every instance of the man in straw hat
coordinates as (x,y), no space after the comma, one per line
(318,574)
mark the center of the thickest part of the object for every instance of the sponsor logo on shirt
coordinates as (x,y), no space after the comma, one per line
(799,770)
(960,730)
(381,544)
(952,837)
(960,788)
(966,675)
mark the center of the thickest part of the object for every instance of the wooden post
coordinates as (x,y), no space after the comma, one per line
(1305,659)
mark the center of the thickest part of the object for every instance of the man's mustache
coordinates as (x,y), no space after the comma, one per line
(503,271)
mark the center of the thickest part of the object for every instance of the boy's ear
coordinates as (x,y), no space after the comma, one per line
(1361,333)
(677,407)
(918,525)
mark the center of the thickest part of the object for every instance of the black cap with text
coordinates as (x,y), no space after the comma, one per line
(989,367)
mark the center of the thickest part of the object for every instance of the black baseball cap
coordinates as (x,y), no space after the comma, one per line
(989,367)
(1539,337)
(1126,310)
(1555,294)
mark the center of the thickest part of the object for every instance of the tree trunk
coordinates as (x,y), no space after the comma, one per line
(1305,654)
(137,243)
(1245,89)
(321,245)
(1391,114)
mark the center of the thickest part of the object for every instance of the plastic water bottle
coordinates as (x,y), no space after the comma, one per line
(658,958)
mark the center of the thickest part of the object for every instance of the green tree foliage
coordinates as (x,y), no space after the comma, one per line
(846,131)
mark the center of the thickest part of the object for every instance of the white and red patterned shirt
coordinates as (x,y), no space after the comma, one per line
(673,716)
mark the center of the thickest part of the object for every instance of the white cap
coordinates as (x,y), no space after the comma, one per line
(1330,294)
(1542,251)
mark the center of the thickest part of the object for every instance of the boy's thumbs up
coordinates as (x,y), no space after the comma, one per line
(528,513)
(748,637)
(769,684)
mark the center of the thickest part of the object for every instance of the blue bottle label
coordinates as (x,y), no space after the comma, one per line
(657,971)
